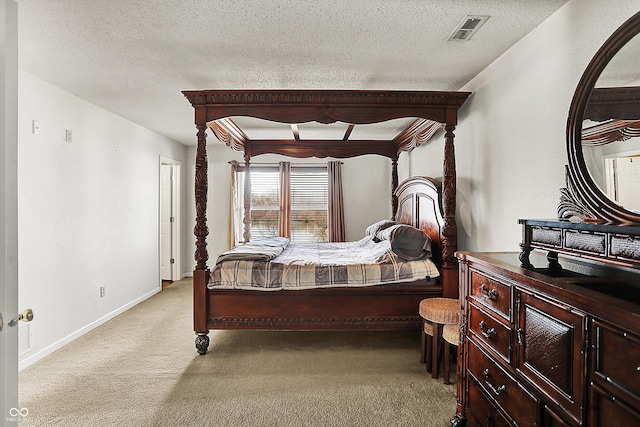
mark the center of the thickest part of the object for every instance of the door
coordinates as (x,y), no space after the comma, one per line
(166,216)
(10,413)
(628,182)
(622,178)
(169,219)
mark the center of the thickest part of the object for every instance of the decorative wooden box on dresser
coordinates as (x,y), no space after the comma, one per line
(550,335)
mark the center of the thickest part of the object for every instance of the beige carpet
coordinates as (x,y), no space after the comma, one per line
(141,369)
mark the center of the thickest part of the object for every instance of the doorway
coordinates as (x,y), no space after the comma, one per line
(169,247)
(622,176)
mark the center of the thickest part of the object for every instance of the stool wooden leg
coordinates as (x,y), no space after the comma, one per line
(425,352)
(435,348)
(429,356)
(447,358)
(423,349)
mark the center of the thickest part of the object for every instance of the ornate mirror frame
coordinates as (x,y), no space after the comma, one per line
(582,198)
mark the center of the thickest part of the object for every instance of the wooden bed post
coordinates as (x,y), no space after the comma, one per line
(394,186)
(450,234)
(247,196)
(201,231)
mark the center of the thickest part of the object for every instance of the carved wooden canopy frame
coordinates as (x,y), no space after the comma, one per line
(329,106)
(619,110)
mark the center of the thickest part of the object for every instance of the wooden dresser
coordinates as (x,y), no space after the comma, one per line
(548,345)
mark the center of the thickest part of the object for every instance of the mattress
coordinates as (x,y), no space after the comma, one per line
(317,265)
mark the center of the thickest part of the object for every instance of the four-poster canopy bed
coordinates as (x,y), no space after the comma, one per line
(426,204)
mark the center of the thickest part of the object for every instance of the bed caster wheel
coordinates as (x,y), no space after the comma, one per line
(202,343)
(458,421)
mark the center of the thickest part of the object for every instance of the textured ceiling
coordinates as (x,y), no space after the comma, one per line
(133,57)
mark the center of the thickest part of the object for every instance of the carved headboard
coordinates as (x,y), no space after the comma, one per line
(419,205)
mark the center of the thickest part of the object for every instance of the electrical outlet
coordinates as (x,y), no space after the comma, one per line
(103,291)
(35,127)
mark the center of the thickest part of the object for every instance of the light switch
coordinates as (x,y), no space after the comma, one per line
(35,127)
(67,135)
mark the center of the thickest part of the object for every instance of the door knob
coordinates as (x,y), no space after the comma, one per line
(25,316)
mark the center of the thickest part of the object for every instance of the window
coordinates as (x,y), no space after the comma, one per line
(265,201)
(308,202)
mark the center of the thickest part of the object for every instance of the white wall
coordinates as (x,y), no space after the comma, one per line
(366,182)
(88,213)
(366,191)
(510,140)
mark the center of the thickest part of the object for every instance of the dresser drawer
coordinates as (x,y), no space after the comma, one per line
(503,388)
(617,358)
(491,293)
(481,411)
(607,410)
(490,331)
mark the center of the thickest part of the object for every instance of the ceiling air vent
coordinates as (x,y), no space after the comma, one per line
(468,27)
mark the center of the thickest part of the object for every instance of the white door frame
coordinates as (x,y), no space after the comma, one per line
(10,413)
(176,214)
(610,173)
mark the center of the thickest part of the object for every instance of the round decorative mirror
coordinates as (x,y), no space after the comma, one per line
(603,134)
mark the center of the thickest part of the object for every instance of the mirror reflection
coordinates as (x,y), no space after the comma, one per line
(611,129)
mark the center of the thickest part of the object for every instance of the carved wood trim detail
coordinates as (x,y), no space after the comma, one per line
(246,220)
(613,103)
(325,98)
(450,233)
(321,148)
(394,187)
(572,206)
(409,322)
(430,109)
(201,231)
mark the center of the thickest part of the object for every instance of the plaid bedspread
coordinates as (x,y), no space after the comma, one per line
(315,265)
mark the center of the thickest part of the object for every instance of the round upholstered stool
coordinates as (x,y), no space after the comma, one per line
(451,336)
(437,312)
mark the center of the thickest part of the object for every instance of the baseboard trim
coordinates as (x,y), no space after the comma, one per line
(28,361)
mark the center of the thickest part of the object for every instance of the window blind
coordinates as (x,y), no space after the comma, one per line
(265,201)
(309,202)
(309,189)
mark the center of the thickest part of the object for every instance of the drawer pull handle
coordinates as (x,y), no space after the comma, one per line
(487,333)
(489,419)
(497,390)
(487,293)
(519,334)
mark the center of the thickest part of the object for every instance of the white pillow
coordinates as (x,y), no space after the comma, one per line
(376,227)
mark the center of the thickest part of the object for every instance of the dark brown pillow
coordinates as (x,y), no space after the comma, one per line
(407,242)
